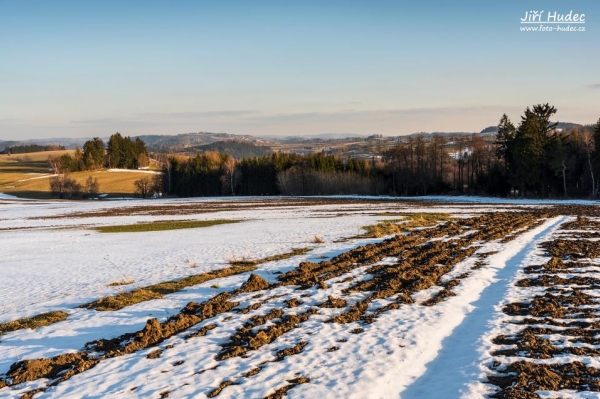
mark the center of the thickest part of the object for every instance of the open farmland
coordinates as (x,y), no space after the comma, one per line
(292,297)
(27,175)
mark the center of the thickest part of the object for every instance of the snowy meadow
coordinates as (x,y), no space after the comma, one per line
(337,297)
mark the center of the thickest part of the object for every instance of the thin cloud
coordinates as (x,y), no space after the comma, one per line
(166,118)
(594,86)
(98,121)
(200,114)
(372,114)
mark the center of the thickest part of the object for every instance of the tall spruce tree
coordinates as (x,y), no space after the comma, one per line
(505,139)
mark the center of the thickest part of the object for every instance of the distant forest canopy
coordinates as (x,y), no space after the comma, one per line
(22,149)
(235,148)
(533,159)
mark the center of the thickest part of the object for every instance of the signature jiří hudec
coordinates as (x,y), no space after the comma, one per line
(552,16)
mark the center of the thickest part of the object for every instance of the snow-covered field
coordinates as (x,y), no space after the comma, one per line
(427,313)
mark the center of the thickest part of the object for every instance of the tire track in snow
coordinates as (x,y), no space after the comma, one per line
(454,360)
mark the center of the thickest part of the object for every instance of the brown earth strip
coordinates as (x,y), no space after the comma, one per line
(215,392)
(221,206)
(202,332)
(293,350)
(282,392)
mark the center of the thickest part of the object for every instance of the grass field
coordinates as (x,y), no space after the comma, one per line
(26,175)
(163,225)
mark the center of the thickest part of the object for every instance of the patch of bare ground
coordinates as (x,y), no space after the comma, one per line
(282,392)
(254,283)
(293,302)
(293,350)
(155,354)
(560,323)
(215,392)
(201,332)
(444,293)
(253,372)
(333,302)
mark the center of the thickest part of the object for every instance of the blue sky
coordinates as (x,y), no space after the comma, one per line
(91,68)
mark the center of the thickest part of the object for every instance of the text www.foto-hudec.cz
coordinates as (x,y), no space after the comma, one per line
(552,21)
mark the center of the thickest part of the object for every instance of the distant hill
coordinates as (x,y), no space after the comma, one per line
(490,129)
(4,144)
(235,148)
(312,137)
(561,125)
(426,134)
(187,141)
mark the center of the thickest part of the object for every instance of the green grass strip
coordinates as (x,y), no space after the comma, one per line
(157,291)
(163,225)
(398,226)
(43,319)
(254,262)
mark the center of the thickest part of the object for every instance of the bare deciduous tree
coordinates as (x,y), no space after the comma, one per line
(64,187)
(231,174)
(92,187)
(55,164)
(143,186)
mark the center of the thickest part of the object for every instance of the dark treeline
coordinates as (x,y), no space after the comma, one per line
(120,152)
(22,149)
(214,174)
(532,159)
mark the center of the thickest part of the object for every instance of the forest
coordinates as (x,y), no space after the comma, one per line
(120,152)
(532,159)
(25,148)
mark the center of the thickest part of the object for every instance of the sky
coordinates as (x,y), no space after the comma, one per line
(92,68)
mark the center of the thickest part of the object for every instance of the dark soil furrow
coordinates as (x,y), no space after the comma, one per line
(246,340)
(549,331)
(521,379)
